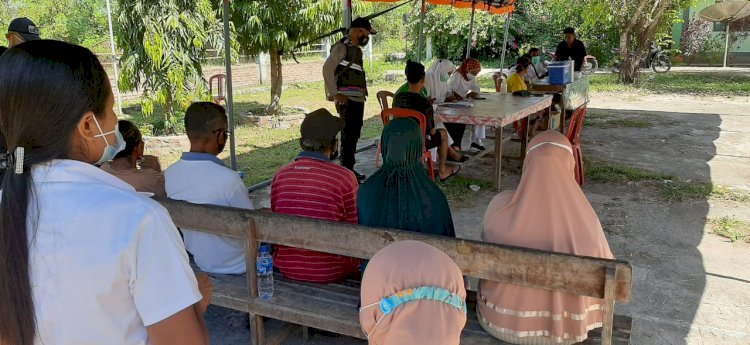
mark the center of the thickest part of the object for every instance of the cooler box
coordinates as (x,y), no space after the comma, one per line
(560,72)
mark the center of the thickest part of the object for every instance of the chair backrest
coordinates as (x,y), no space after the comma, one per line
(499,77)
(219,78)
(394,113)
(383,98)
(576,125)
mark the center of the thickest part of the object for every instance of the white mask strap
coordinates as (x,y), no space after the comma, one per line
(567,148)
(376,323)
(102,132)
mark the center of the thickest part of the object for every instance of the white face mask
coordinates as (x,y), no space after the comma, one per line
(471,76)
(110,151)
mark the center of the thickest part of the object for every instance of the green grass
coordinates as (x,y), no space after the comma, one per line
(457,188)
(731,228)
(705,84)
(613,173)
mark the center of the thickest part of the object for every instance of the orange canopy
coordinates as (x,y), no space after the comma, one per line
(492,6)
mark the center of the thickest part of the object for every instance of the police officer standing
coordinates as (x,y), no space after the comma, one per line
(346,85)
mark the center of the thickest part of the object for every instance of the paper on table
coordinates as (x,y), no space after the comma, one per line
(462,104)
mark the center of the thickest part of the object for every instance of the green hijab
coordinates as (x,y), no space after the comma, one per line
(400,195)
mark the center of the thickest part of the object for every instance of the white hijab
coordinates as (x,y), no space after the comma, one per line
(436,88)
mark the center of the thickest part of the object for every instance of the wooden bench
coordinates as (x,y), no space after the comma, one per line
(333,307)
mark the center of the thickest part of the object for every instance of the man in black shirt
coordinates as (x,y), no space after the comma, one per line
(435,137)
(571,48)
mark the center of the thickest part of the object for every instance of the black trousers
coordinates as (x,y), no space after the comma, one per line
(353,113)
(456,131)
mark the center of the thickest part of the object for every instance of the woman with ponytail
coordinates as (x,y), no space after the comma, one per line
(84,259)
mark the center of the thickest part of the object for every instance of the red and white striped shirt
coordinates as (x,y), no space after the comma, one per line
(314,187)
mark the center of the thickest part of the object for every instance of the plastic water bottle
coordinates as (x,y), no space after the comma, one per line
(264,269)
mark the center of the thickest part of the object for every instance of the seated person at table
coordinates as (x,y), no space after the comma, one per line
(200,177)
(400,195)
(314,187)
(568,225)
(149,177)
(571,48)
(413,267)
(516,83)
(436,80)
(464,85)
(536,61)
(434,137)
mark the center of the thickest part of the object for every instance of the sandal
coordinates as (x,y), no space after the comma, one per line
(453,173)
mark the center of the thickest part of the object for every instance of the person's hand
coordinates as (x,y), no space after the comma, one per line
(340,99)
(150,162)
(431,100)
(473,95)
(206,289)
(456,97)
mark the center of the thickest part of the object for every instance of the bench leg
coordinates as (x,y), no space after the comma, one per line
(257,330)
(609,306)
(498,157)
(305,333)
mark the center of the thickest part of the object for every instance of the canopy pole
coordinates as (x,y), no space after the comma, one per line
(347,5)
(471,29)
(230,101)
(421,33)
(114,57)
(505,42)
(726,47)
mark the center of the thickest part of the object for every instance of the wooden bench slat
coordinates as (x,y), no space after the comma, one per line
(521,266)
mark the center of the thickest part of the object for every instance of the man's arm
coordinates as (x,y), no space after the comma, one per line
(559,51)
(338,53)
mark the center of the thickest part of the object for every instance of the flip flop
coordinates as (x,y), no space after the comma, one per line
(453,173)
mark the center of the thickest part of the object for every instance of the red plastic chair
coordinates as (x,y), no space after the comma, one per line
(574,136)
(383,99)
(219,97)
(394,113)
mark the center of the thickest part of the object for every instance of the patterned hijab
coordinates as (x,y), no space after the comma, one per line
(468,65)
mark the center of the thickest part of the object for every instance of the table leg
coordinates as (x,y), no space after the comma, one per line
(563,107)
(498,156)
(525,141)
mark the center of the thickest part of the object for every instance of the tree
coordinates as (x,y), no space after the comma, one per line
(163,43)
(640,21)
(278,27)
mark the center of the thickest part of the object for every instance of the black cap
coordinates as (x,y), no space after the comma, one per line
(24,27)
(363,23)
(321,126)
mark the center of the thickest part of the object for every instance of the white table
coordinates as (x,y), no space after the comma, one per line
(496,110)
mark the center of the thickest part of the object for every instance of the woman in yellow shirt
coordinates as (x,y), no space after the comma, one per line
(515,81)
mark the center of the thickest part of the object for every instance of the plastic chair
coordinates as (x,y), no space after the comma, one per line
(499,78)
(394,113)
(219,97)
(574,136)
(383,99)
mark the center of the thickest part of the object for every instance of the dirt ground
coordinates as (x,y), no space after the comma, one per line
(690,286)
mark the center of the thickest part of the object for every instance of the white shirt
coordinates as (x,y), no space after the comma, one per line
(462,86)
(105,261)
(207,181)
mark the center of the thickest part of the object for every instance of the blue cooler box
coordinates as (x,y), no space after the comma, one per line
(559,73)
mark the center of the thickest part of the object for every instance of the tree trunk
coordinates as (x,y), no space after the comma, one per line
(629,62)
(276,83)
(168,112)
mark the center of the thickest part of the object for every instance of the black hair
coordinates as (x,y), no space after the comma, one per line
(569,30)
(522,63)
(315,145)
(414,72)
(201,117)
(132,136)
(3,49)
(45,89)
(533,50)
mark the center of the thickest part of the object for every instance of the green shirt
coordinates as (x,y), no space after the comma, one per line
(405,88)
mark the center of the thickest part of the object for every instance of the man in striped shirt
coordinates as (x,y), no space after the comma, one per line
(314,187)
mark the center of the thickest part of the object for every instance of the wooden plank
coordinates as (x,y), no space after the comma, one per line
(277,331)
(257,334)
(609,306)
(514,265)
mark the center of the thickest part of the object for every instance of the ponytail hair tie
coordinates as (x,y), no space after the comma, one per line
(18,161)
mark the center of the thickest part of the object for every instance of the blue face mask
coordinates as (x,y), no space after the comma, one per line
(444,78)
(111,150)
(389,304)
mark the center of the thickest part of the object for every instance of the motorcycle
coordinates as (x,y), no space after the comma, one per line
(656,60)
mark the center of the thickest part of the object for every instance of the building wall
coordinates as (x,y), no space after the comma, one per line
(740,51)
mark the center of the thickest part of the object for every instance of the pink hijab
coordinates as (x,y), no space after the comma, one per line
(410,264)
(548,211)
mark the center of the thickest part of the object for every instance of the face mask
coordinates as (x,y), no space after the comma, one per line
(111,150)
(472,76)
(363,40)
(389,304)
(535,59)
(444,78)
